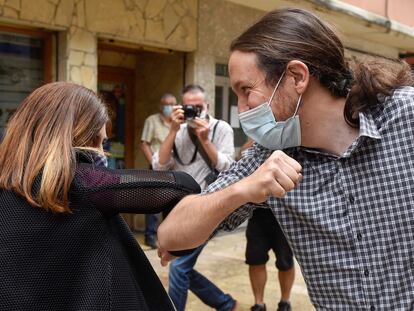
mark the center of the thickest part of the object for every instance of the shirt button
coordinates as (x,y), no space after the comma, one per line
(351,199)
(366,272)
(372,308)
(359,236)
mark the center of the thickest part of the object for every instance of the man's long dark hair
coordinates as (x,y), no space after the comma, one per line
(284,35)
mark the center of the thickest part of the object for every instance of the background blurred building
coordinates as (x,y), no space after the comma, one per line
(132,51)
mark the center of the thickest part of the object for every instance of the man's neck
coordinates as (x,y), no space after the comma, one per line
(323,124)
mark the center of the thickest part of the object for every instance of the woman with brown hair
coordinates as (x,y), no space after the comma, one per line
(63,245)
(342,189)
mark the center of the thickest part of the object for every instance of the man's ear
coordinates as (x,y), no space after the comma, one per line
(300,73)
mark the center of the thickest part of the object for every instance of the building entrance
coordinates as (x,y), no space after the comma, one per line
(116,86)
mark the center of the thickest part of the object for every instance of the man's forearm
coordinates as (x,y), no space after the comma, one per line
(146,149)
(166,147)
(211,151)
(196,217)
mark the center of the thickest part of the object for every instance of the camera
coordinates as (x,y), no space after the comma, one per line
(191,111)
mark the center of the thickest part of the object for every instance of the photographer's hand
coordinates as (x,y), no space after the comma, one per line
(177,118)
(201,129)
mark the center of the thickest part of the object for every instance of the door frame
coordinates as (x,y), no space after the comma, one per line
(225,84)
(126,76)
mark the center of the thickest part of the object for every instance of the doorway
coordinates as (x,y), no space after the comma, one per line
(116,86)
(132,81)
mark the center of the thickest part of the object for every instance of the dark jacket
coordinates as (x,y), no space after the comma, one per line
(87,260)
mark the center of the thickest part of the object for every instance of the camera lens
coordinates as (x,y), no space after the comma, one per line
(191,111)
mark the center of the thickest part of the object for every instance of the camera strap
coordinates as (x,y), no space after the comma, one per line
(199,146)
(177,157)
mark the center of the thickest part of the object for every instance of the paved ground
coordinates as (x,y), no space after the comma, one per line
(223,261)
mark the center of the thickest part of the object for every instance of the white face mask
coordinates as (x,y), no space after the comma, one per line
(261,126)
(203,114)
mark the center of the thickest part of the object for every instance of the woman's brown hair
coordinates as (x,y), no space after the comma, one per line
(41,139)
(295,34)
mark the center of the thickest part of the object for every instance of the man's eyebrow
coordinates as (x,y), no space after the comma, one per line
(236,85)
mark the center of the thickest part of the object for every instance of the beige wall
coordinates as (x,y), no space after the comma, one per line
(165,23)
(170,24)
(117,59)
(398,10)
(219,23)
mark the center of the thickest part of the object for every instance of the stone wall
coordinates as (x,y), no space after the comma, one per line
(170,24)
(219,23)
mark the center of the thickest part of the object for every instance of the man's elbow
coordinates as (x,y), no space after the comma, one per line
(165,237)
(161,236)
(171,240)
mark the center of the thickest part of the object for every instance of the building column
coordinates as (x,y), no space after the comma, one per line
(78,61)
(200,69)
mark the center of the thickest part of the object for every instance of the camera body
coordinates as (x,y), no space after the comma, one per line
(191,111)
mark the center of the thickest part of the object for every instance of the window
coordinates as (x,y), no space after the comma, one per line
(226,104)
(25,64)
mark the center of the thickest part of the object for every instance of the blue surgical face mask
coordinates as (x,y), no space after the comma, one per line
(167,110)
(261,126)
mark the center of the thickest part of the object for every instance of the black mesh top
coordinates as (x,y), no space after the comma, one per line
(133,191)
(87,260)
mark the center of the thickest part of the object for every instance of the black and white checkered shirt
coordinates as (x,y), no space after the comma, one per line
(350,222)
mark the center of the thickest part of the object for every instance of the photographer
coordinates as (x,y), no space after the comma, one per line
(201,146)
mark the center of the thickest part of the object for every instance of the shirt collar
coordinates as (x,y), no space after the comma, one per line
(367,129)
(367,126)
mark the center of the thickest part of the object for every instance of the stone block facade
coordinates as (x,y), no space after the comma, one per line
(168,24)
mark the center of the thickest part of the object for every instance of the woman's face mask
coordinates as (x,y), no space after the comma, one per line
(260,125)
(100,160)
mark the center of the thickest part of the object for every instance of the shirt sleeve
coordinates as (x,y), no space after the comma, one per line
(251,160)
(133,191)
(224,142)
(155,163)
(148,130)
